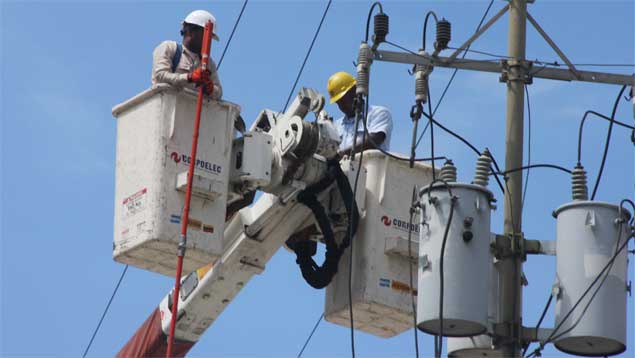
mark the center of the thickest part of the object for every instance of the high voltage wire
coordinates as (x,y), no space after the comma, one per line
(103,315)
(308,53)
(295,83)
(522,202)
(447,86)
(306,343)
(231,36)
(123,274)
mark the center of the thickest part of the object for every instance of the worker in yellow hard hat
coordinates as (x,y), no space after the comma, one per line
(178,64)
(341,89)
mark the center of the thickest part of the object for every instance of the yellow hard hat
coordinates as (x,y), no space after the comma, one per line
(339,84)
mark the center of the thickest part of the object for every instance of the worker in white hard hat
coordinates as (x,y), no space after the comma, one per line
(341,87)
(179,64)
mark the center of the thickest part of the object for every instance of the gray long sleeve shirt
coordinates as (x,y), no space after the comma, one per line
(162,67)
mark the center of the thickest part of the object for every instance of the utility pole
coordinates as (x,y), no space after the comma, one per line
(517,72)
(510,304)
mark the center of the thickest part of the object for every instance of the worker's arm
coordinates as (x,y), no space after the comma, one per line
(162,65)
(379,126)
(361,145)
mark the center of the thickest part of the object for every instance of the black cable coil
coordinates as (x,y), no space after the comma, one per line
(320,276)
(444,35)
(380,25)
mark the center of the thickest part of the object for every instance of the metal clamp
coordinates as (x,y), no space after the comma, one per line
(516,70)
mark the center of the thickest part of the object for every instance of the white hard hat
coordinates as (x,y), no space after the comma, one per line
(200,18)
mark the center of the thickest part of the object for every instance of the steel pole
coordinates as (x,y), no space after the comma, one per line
(511,290)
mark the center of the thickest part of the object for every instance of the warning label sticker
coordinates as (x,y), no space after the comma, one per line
(135,203)
(396,286)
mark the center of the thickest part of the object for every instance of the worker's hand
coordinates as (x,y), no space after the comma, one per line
(199,76)
(208,88)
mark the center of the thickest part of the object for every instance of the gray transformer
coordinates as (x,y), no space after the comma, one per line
(467,259)
(588,237)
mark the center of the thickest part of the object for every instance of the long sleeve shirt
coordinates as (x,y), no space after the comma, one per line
(162,67)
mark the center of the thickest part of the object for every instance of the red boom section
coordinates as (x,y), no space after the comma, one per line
(149,341)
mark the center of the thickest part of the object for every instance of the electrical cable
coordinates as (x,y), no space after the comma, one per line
(431,122)
(522,202)
(542,317)
(353,199)
(447,86)
(413,204)
(425,27)
(439,339)
(582,126)
(466,142)
(370,12)
(632,204)
(427,57)
(103,315)
(467,49)
(425,159)
(231,36)
(478,27)
(308,53)
(524,167)
(608,141)
(607,266)
(311,335)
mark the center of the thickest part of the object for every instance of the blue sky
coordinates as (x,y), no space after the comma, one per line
(66,64)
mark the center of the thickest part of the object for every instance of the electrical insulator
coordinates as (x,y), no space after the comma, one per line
(380,23)
(364,60)
(578,183)
(589,235)
(421,81)
(482,169)
(444,35)
(448,172)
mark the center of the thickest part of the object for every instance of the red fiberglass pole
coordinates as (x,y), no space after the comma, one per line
(207,37)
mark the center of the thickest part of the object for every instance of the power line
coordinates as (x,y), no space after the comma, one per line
(295,83)
(103,315)
(308,53)
(608,141)
(447,86)
(306,343)
(522,202)
(231,36)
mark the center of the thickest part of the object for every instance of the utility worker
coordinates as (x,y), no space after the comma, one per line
(179,65)
(341,87)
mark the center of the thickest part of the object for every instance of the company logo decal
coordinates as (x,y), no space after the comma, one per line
(399,224)
(200,164)
(176,157)
(386,220)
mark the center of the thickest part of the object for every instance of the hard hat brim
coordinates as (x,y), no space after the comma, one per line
(214,36)
(339,96)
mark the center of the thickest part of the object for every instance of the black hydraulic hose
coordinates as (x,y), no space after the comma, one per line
(320,276)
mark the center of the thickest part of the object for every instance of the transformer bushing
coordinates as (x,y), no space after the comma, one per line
(589,234)
(467,259)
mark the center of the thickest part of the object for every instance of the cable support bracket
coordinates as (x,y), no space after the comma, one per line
(510,245)
(516,70)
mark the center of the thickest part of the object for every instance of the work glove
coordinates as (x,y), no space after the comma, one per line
(208,87)
(199,76)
